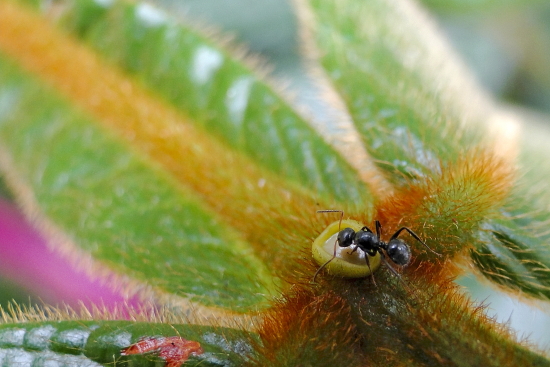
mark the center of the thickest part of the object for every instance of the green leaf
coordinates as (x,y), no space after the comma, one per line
(514,250)
(117,206)
(98,343)
(514,258)
(217,89)
(396,85)
(172,221)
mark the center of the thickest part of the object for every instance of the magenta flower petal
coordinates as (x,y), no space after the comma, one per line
(26,260)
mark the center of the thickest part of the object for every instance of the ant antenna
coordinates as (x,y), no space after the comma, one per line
(335,242)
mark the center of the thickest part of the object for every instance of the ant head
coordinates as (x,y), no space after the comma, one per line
(346,237)
(399,252)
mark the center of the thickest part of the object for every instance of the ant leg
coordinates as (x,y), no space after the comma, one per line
(325,264)
(371,273)
(378,229)
(321,268)
(335,242)
(415,237)
(388,265)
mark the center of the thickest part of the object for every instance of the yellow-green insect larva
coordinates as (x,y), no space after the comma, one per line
(345,264)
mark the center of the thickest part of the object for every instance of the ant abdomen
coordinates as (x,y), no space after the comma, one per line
(399,252)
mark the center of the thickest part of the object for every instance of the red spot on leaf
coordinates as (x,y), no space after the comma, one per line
(174,349)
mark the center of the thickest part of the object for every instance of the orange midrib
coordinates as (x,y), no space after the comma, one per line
(225,180)
(146,123)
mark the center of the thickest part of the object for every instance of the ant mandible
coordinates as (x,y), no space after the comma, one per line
(370,243)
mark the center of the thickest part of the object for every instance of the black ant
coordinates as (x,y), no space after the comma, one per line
(396,249)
